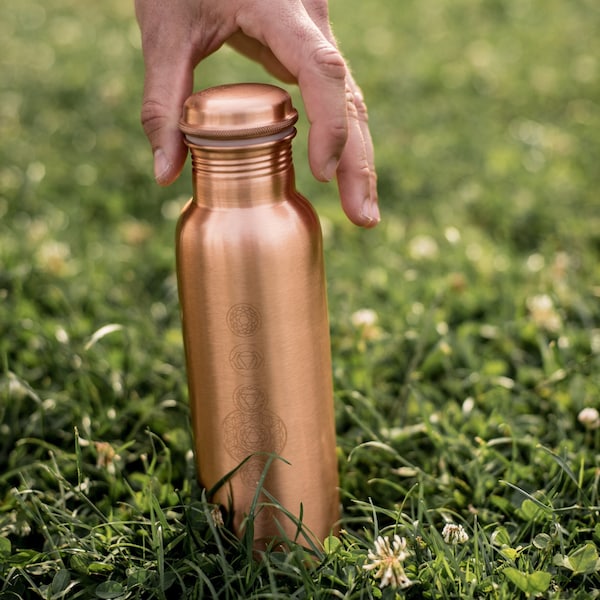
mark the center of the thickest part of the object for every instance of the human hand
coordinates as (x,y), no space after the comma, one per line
(293,40)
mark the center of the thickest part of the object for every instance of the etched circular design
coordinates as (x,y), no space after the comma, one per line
(252,431)
(246,433)
(249,398)
(243,319)
(252,470)
(245,359)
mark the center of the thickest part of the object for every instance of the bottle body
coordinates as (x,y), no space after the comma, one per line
(256,335)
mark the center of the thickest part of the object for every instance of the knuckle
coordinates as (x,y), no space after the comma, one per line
(355,165)
(361,107)
(356,103)
(151,115)
(329,62)
(338,129)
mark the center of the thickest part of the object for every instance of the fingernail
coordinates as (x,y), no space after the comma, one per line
(330,168)
(375,211)
(370,213)
(161,166)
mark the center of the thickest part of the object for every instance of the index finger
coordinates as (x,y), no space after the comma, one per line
(320,70)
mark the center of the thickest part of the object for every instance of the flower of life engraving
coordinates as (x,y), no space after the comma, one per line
(243,319)
(250,429)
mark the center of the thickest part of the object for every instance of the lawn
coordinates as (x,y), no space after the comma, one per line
(465,327)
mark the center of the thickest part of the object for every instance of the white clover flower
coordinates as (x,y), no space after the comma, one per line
(452,235)
(589,418)
(423,247)
(54,257)
(365,320)
(365,317)
(454,534)
(543,313)
(386,562)
(106,457)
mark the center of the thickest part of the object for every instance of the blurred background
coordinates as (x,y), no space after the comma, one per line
(486,108)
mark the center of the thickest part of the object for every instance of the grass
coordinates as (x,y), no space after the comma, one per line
(457,391)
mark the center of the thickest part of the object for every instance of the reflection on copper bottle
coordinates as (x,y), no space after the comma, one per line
(253,299)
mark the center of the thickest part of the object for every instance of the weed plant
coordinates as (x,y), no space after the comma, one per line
(465,328)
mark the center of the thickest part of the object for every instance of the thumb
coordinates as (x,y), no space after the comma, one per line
(166,88)
(168,81)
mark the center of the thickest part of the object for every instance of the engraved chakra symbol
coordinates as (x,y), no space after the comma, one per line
(249,398)
(252,428)
(245,358)
(243,319)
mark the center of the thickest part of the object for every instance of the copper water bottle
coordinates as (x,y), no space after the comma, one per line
(254,310)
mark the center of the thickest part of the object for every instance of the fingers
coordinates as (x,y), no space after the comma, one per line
(357,180)
(355,165)
(322,85)
(305,52)
(168,82)
(293,40)
(161,108)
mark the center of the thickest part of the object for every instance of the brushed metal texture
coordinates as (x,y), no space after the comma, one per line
(255,324)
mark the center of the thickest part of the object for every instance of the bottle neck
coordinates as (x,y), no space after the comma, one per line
(237,173)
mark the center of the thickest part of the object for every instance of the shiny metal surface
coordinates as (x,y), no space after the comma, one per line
(238,111)
(254,311)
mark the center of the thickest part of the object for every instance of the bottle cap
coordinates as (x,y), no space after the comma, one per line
(237,111)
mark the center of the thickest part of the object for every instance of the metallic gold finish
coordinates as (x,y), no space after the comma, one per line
(254,311)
